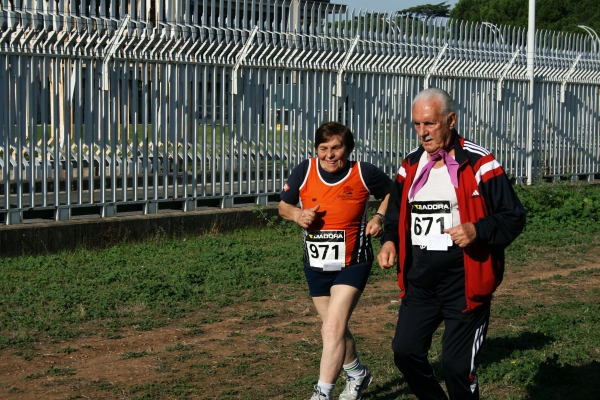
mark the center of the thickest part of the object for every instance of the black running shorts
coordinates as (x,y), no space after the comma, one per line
(320,283)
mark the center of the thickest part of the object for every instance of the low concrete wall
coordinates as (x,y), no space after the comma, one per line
(101,233)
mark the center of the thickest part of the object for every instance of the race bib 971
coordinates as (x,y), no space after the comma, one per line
(430,218)
(326,249)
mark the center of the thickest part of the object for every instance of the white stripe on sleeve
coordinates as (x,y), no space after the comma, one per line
(487,167)
(402,172)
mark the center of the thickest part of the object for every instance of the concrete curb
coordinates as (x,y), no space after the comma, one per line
(100,233)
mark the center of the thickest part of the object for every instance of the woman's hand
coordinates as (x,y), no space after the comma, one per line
(302,217)
(307,216)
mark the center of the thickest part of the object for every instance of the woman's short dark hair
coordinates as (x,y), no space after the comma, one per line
(329,129)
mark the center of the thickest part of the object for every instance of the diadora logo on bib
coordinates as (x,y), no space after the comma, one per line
(326,236)
(432,206)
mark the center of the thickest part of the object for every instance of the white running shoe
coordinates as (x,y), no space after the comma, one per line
(355,386)
(318,395)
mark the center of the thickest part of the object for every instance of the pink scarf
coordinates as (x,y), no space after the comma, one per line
(450,162)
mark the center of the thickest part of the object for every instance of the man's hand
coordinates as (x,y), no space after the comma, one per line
(463,235)
(387,255)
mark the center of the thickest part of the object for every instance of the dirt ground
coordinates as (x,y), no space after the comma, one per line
(101,367)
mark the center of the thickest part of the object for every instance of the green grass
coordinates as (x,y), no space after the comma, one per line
(543,341)
(547,349)
(141,285)
(559,215)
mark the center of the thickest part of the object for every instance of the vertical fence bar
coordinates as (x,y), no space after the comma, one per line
(4,133)
(146,104)
(185,125)
(124,127)
(31,133)
(135,140)
(44,106)
(77,102)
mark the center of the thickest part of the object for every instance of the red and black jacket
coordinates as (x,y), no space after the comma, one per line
(485,197)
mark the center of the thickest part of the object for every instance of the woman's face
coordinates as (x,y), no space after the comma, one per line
(332,155)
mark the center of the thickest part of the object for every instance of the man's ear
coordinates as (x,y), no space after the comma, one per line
(451,119)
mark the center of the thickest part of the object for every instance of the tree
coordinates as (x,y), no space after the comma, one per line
(557,15)
(427,11)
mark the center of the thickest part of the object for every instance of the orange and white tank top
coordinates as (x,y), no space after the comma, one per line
(336,239)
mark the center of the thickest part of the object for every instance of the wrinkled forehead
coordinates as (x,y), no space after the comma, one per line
(427,108)
(429,104)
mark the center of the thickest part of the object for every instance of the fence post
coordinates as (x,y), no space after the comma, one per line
(563,86)
(530,103)
(111,51)
(503,75)
(241,58)
(340,72)
(433,68)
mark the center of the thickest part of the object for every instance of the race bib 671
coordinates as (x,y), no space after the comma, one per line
(429,218)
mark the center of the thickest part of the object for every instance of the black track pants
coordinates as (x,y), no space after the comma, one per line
(435,293)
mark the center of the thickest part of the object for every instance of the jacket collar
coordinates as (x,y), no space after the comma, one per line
(459,153)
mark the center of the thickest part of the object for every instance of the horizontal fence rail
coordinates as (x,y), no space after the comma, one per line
(114,107)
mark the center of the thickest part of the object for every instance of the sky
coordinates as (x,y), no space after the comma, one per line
(388,5)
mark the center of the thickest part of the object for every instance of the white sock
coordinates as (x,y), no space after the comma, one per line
(355,369)
(326,388)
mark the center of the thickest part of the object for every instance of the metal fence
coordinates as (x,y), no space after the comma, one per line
(114,107)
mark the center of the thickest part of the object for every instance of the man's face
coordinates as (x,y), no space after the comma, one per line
(433,131)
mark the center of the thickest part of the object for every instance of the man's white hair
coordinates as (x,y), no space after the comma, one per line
(444,99)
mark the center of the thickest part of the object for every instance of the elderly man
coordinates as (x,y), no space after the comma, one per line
(451,213)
